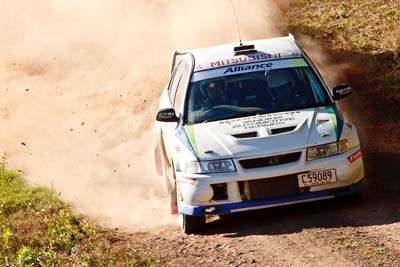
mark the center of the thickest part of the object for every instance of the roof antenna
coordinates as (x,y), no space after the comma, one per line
(237,22)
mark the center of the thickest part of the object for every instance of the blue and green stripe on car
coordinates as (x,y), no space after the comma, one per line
(337,119)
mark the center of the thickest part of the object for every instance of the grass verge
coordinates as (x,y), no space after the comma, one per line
(37,229)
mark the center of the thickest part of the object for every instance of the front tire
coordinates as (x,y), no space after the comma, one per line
(191,224)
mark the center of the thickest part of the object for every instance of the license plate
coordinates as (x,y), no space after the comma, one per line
(316,178)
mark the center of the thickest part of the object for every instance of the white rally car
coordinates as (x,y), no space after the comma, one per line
(250,126)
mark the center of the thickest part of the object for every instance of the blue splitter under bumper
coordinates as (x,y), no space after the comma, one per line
(231,207)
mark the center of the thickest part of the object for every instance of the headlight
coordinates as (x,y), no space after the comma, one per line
(212,166)
(225,165)
(343,146)
(193,167)
(327,150)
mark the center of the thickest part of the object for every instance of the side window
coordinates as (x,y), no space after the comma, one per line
(173,86)
(181,88)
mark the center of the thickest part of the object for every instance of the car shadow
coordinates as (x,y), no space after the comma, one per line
(379,205)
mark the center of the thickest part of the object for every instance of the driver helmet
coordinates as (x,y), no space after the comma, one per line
(215,91)
(280,81)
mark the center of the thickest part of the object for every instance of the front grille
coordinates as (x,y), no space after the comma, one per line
(270,161)
(270,188)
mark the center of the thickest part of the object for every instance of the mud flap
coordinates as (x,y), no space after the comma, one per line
(174,200)
(160,155)
(158,161)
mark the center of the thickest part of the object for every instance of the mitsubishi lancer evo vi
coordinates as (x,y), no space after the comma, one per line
(250,126)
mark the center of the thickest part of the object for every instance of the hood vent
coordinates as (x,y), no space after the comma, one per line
(246,135)
(282,130)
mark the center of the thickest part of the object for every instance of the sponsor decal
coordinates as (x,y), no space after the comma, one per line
(187,180)
(245,68)
(262,121)
(165,115)
(199,67)
(353,157)
(243,59)
(254,67)
(296,62)
(293,53)
(343,91)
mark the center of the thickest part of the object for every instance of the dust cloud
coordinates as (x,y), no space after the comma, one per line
(335,72)
(332,72)
(79,87)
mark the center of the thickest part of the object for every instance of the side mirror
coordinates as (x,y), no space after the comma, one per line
(166,115)
(341,90)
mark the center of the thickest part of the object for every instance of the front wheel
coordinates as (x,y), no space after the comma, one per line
(191,224)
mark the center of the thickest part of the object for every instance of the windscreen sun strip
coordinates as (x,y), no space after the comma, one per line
(246,68)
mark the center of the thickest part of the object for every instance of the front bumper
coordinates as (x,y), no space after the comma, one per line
(195,193)
(261,204)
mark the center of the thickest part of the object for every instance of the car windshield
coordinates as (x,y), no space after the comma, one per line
(222,94)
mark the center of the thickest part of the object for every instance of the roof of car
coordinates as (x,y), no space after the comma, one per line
(266,49)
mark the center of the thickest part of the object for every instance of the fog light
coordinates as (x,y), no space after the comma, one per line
(203,193)
(220,191)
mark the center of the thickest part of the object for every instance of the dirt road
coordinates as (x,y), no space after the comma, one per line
(330,233)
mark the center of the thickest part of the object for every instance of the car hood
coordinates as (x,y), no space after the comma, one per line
(263,134)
